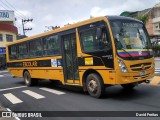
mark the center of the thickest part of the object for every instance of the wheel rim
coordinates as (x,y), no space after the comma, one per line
(26,79)
(92,86)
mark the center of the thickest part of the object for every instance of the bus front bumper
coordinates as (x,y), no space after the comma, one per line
(131,77)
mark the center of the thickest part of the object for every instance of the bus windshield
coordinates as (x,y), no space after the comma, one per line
(131,38)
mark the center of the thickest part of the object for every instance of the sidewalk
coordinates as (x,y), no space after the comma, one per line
(1,71)
(157,58)
(157,64)
(156,79)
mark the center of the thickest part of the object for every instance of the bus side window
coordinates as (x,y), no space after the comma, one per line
(87,38)
(51,45)
(36,49)
(13,52)
(23,50)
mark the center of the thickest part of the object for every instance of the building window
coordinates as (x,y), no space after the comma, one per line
(1,37)
(9,38)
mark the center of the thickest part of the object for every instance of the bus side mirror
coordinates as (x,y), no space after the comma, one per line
(99,33)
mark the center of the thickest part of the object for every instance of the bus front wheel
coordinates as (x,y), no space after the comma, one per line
(95,85)
(28,80)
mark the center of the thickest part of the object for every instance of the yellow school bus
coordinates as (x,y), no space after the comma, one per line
(94,53)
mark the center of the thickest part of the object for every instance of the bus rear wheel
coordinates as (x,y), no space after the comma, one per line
(28,80)
(95,85)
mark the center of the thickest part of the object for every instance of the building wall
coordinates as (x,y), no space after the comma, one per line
(4,33)
(155,16)
(3,43)
(156,25)
(149,27)
(8,33)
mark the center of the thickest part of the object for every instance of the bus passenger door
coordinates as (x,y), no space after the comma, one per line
(70,60)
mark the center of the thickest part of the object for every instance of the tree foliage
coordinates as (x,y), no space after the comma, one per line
(142,18)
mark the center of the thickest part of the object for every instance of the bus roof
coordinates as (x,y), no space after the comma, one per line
(71,27)
(121,18)
(60,29)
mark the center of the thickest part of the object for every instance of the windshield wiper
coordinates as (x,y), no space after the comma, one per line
(127,53)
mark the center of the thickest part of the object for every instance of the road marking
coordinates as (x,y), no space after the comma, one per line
(6,75)
(157,72)
(3,71)
(1,75)
(12,88)
(33,94)
(53,91)
(13,99)
(11,112)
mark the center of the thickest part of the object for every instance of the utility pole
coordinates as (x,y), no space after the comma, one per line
(24,21)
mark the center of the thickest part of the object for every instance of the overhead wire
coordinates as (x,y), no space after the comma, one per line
(8,6)
(22,15)
(5,6)
(16,23)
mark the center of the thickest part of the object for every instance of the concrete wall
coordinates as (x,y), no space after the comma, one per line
(149,27)
(4,42)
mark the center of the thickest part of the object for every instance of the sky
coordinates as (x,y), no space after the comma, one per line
(46,13)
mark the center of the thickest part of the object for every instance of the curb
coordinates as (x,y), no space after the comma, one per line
(157,58)
(155,81)
(3,71)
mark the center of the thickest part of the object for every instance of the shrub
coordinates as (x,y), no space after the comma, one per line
(156,49)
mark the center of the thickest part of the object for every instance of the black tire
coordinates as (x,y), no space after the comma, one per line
(129,86)
(28,80)
(95,85)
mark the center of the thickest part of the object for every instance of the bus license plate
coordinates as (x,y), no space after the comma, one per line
(142,73)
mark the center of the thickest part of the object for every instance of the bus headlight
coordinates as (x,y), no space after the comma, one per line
(122,66)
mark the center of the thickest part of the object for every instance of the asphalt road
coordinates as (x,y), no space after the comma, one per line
(66,98)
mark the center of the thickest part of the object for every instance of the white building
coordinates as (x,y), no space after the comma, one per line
(8,32)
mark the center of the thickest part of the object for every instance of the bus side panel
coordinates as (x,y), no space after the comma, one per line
(81,73)
(16,72)
(47,74)
(40,73)
(107,76)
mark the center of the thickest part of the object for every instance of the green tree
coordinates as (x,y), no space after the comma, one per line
(142,18)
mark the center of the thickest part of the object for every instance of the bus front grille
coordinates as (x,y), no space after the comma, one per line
(141,66)
(140,77)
